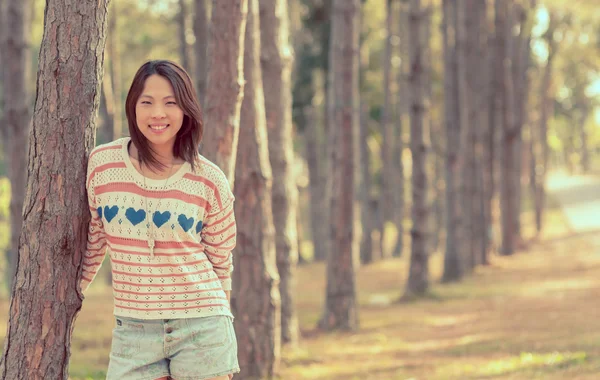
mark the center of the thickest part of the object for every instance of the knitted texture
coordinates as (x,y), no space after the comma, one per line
(194,231)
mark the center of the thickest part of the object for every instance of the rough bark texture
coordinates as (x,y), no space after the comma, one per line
(225,84)
(386,200)
(257,306)
(340,303)
(276,61)
(201,28)
(45,296)
(452,259)
(418,278)
(16,65)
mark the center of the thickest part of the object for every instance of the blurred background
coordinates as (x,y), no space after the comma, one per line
(495,103)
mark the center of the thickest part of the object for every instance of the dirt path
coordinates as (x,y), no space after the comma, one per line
(579,197)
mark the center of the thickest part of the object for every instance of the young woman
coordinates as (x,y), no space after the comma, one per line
(165,214)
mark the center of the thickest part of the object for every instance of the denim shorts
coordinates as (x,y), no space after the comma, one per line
(185,349)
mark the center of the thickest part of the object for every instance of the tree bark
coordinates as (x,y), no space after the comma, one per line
(453,269)
(256,282)
(225,84)
(340,303)
(45,296)
(201,29)
(16,66)
(418,278)
(276,61)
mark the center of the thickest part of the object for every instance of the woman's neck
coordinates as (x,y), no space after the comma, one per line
(164,155)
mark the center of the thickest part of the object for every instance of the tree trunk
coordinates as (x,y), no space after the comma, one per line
(583,140)
(520,54)
(201,28)
(367,217)
(45,296)
(225,84)
(184,51)
(341,304)
(311,84)
(16,65)
(107,110)
(541,147)
(401,101)
(418,278)
(256,283)
(482,130)
(505,95)
(453,269)
(386,200)
(276,60)
(114,68)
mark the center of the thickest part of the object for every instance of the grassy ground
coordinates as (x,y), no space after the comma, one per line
(530,316)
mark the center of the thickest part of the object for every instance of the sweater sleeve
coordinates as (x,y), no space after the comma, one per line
(96,238)
(219,234)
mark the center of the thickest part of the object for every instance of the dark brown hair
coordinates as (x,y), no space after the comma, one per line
(189,136)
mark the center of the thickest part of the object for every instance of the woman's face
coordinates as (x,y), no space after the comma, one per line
(157,114)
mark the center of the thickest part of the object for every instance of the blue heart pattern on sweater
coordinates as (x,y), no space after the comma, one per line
(110,212)
(99,211)
(185,222)
(138,216)
(160,218)
(135,217)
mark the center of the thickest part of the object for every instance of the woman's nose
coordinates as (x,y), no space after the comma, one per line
(158,112)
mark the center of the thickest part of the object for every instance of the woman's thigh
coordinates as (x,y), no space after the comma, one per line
(208,350)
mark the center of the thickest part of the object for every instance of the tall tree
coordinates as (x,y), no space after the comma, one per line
(386,200)
(201,27)
(540,150)
(453,269)
(184,50)
(505,108)
(340,302)
(113,49)
(45,297)
(16,66)
(225,83)
(418,278)
(276,59)
(312,66)
(401,107)
(256,282)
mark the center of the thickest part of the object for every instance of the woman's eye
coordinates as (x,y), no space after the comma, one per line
(145,102)
(172,103)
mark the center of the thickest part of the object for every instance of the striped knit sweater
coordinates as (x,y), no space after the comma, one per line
(194,232)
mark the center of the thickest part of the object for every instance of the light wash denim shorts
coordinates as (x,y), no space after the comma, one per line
(185,349)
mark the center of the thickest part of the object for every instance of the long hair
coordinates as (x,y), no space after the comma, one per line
(188,138)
